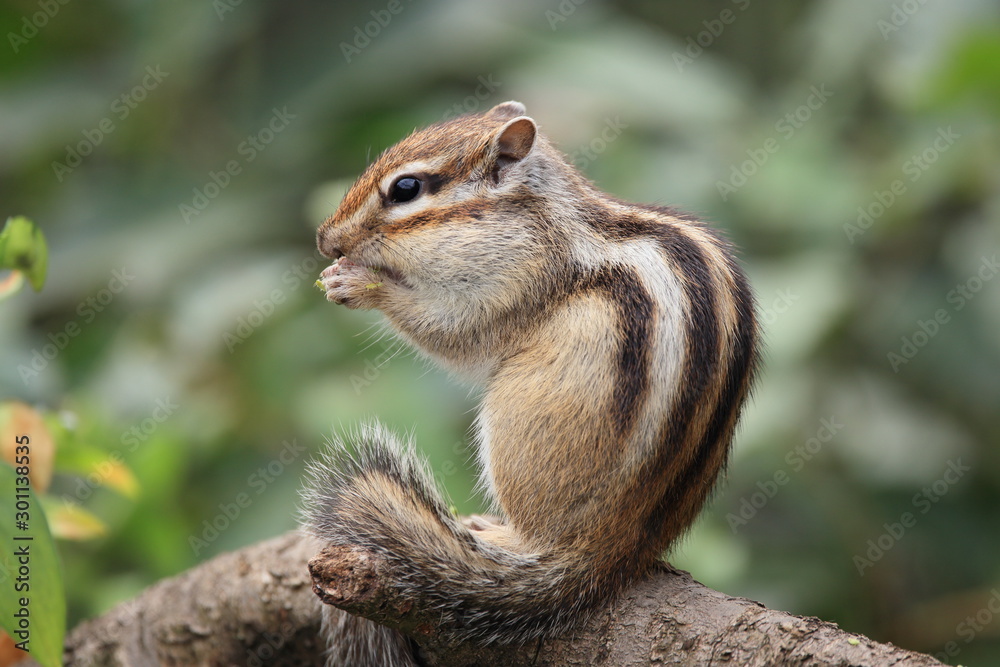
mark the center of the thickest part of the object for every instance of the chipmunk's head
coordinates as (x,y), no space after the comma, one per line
(447,206)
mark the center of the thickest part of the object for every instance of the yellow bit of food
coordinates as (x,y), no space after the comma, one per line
(319,285)
(853,641)
(373,285)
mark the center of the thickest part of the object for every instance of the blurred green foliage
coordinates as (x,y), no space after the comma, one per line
(179,155)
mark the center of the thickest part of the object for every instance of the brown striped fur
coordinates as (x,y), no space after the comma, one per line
(615,343)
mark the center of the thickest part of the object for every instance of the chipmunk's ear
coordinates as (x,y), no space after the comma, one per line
(509,109)
(512,144)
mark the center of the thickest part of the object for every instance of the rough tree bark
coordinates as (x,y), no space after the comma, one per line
(249,607)
(256,607)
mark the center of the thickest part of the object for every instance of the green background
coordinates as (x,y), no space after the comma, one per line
(215,316)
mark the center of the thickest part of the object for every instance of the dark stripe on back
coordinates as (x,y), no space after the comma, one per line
(702,335)
(698,476)
(702,331)
(622,287)
(668,211)
(701,363)
(741,364)
(704,344)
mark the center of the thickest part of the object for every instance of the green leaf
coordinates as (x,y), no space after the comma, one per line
(23,248)
(35,578)
(99,467)
(973,72)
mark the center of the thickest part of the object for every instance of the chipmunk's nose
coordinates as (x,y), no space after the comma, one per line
(326,240)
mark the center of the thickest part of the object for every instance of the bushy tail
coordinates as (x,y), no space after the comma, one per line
(383,499)
(353,641)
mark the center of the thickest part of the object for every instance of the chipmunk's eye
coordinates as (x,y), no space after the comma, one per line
(404,189)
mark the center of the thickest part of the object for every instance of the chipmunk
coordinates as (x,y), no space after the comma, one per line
(615,345)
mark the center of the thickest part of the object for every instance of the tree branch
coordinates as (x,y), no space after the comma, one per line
(254,606)
(249,607)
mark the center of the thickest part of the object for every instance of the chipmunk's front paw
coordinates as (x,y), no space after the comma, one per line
(350,284)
